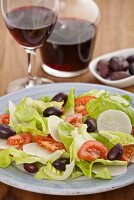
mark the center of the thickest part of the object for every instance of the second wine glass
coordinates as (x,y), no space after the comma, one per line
(30,22)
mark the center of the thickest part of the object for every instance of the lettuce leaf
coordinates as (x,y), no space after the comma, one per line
(104,140)
(49,172)
(114,170)
(104,174)
(118,137)
(69,106)
(64,131)
(24,117)
(45,98)
(94,92)
(86,167)
(105,102)
(41,105)
(5,158)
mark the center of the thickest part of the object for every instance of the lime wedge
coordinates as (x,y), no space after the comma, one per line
(114,120)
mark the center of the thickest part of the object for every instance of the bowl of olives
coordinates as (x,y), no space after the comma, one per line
(115,69)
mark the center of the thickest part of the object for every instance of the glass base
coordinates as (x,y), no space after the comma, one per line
(25,83)
(61,74)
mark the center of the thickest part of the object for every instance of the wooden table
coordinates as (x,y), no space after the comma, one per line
(116,31)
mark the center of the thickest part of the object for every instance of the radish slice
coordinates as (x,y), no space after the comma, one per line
(3,144)
(20,167)
(114,120)
(53,122)
(115,170)
(35,150)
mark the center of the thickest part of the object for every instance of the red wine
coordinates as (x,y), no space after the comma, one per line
(31,26)
(70,46)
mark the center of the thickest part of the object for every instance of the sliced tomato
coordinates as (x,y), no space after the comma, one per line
(75,119)
(4,119)
(27,137)
(39,138)
(80,104)
(19,140)
(49,143)
(15,140)
(128,152)
(91,150)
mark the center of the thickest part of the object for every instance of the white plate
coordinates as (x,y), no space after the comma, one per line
(126,82)
(16,178)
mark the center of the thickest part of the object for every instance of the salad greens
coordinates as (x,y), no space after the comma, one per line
(53,141)
(107,102)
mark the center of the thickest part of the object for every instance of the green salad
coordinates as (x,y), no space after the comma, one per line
(68,136)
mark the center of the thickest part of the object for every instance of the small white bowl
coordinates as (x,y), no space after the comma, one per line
(126,82)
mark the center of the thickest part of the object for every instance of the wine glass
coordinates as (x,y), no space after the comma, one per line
(30,22)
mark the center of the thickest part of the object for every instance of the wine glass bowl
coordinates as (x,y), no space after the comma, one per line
(30,22)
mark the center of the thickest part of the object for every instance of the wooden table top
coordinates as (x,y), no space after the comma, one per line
(116,31)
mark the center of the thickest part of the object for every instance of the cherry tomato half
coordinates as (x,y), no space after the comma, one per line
(49,143)
(80,104)
(4,119)
(91,150)
(128,152)
(19,140)
(75,119)
(27,137)
(15,140)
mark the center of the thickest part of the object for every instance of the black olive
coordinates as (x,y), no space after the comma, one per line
(6,131)
(116,152)
(52,111)
(60,97)
(131,69)
(60,164)
(130,59)
(30,168)
(91,125)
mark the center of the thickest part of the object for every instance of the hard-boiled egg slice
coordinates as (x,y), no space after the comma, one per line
(53,122)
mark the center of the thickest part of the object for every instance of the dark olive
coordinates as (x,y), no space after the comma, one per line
(131,68)
(103,68)
(116,63)
(30,168)
(52,111)
(6,131)
(91,125)
(130,59)
(119,75)
(116,152)
(60,164)
(60,97)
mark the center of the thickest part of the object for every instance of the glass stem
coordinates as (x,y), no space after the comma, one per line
(31,67)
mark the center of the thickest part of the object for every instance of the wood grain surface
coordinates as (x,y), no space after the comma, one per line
(116,31)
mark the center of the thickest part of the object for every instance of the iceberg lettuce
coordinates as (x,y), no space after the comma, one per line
(106,102)
(25,118)
(69,106)
(5,158)
(117,137)
(104,173)
(87,167)
(49,172)
(64,131)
